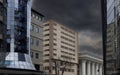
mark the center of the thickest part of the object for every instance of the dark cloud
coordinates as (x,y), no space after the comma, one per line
(77,14)
(80,15)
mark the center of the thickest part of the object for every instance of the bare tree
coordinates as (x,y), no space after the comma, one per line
(62,67)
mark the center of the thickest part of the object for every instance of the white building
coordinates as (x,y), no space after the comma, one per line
(89,64)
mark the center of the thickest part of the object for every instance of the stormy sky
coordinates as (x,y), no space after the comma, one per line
(84,16)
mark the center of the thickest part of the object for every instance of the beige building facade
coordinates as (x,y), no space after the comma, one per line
(37,39)
(60,48)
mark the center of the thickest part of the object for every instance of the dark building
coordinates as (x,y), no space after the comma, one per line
(3,13)
(111,36)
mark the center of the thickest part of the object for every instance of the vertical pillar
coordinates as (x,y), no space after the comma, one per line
(93,68)
(83,67)
(97,69)
(80,69)
(88,68)
(100,70)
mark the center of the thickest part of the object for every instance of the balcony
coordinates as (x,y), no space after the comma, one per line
(1,18)
(1,1)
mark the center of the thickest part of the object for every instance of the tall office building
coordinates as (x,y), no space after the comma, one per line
(111,49)
(3,13)
(112,56)
(16,54)
(60,45)
(36,38)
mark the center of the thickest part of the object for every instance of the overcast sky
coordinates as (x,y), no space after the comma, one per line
(84,16)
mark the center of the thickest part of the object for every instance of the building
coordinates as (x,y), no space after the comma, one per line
(60,48)
(3,13)
(111,48)
(90,64)
(15,21)
(37,39)
(17,52)
(111,38)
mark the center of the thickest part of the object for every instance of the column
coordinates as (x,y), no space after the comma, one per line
(88,68)
(80,69)
(93,68)
(83,67)
(97,68)
(100,70)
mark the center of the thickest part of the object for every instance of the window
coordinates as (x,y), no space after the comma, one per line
(46,35)
(31,53)
(37,67)
(31,27)
(37,42)
(36,16)
(47,60)
(46,55)
(46,30)
(46,40)
(33,15)
(46,24)
(37,29)
(37,55)
(46,44)
(31,41)
(47,50)
(40,18)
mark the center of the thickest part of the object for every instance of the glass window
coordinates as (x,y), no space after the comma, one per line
(31,41)
(33,15)
(40,19)
(37,55)
(37,29)
(37,42)
(31,27)
(37,17)
(31,53)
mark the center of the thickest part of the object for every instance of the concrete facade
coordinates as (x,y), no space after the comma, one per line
(37,39)
(59,48)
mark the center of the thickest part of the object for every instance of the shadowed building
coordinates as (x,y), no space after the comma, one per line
(36,38)
(111,48)
(3,28)
(112,38)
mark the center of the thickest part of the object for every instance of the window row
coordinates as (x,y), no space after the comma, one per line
(36,16)
(67,57)
(35,41)
(68,53)
(68,30)
(67,39)
(49,54)
(36,55)
(68,35)
(49,44)
(49,49)
(66,48)
(49,34)
(66,69)
(67,44)
(35,28)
